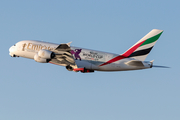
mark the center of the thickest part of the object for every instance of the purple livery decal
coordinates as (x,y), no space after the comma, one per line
(76,53)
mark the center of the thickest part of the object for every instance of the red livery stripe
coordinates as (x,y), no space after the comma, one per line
(132,49)
(113,60)
(124,55)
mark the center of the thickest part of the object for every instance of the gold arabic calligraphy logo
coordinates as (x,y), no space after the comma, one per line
(24,45)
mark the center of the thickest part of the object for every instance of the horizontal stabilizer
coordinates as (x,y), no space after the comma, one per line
(135,63)
(158,66)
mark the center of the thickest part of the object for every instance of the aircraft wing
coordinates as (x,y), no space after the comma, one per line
(64,56)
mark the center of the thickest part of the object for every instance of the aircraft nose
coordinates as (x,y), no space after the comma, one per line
(11,49)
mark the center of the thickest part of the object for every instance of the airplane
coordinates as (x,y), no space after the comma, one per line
(86,60)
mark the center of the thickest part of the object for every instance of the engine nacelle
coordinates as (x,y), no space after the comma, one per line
(41,60)
(69,68)
(46,54)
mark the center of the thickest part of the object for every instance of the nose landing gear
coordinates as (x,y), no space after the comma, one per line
(13,55)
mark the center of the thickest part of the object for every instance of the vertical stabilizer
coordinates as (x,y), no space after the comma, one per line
(141,49)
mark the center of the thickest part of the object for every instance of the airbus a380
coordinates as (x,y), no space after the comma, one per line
(86,60)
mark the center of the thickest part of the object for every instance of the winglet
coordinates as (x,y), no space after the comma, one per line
(69,43)
(64,46)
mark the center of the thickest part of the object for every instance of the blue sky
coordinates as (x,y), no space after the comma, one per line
(35,91)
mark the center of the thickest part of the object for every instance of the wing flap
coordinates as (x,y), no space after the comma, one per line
(63,56)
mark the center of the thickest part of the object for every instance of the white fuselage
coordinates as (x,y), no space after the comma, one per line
(84,58)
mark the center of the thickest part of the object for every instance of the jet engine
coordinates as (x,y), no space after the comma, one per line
(46,54)
(41,60)
(69,68)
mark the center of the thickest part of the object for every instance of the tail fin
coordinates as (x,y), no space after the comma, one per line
(141,49)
